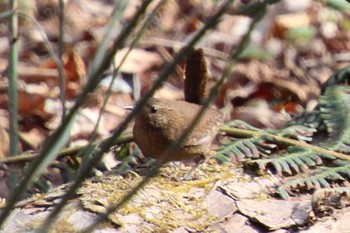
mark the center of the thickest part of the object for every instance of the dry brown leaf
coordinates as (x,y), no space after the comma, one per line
(33,139)
(29,102)
(75,71)
(258,80)
(138,60)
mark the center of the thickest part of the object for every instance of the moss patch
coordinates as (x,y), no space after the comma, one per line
(164,204)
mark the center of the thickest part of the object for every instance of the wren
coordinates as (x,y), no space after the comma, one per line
(161,122)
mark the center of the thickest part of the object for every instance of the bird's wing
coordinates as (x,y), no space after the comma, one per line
(205,129)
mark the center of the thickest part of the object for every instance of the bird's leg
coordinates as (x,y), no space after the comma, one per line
(199,161)
(203,158)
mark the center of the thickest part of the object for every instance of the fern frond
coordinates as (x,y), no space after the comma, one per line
(295,161)
(335,110)
(318,180)
(341,76)
(240,149)
(253,147)
(311,120)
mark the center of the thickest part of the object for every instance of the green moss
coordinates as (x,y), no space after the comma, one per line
(61,225)
(164,204)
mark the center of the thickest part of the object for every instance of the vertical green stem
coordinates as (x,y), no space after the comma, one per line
(61,75)
(12,78)
(12,90)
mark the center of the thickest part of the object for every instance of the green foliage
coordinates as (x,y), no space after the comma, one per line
(254,52)
(342,76)
(301,34)
(323,178)
(297,160)
(318,168)
(340,5)
(312,120)
(240,149)
(334,111)
(334,107)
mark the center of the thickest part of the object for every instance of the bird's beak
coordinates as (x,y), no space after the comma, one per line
(130,107)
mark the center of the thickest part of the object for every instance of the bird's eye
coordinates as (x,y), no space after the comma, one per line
(154,110)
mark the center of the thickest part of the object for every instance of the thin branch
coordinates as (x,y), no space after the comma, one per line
(65,152)
(280,139)
(61,74)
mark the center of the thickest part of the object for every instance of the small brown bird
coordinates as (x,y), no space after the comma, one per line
(162,122)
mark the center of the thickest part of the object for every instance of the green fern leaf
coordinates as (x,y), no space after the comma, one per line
(311,120)
(320,179)
(299,161)
(335,110)
(239,150)
(342,76)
